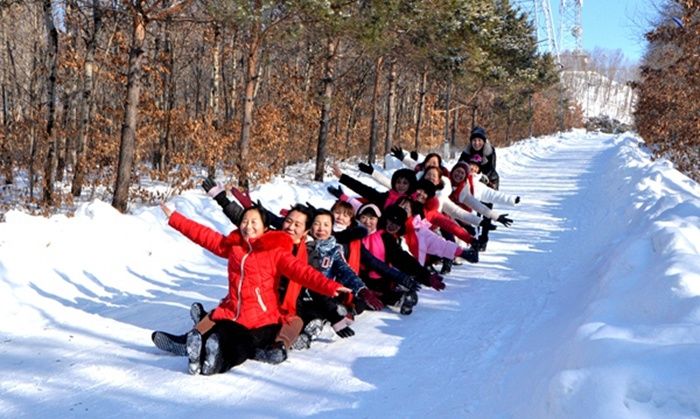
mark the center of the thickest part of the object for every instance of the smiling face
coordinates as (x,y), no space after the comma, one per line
(342,218)
(433,175)
(295,225)
(322,227)
(251,226)
(420,196)
(458,174)
(401,185)
(477,143)
(369,221)
(406,205)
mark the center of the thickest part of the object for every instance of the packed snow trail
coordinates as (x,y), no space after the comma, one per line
(550,322)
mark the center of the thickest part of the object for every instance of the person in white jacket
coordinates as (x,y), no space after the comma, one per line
(463,175)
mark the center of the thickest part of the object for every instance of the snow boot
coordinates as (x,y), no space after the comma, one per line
(274,354)
(213,358)
(194,352)
(175,344)
(197,312)
(408,300)
(311,331)
(446,266)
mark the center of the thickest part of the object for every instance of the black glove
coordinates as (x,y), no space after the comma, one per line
(335,191)
(345,332)
(215,191)
(409,283)
(371,298)
(470,255)
(486,224)
(366,168)
(208,183)
(311,207)
(517,199)
(342,328)
(414,155)
(504,220)
(397,152)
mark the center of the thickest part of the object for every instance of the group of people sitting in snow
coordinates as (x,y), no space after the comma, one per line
(292,274)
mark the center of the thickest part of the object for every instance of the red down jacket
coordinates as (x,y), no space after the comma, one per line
(253,271)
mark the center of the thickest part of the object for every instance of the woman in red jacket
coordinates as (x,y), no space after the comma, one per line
(249,316)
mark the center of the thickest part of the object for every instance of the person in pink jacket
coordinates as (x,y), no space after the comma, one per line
(249,316)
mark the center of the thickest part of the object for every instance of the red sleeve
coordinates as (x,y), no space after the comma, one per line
(204,236)
(447,224)
(300,272)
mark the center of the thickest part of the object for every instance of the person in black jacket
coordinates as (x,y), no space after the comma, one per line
(479,144)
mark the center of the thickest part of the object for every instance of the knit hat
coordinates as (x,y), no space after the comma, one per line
(396,215)
(477,159)
(369,209)
(478,132)
(460,165)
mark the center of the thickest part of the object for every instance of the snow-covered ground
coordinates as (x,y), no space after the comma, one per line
(588,307)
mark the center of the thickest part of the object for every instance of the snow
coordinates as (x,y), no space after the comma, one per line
(587,307)
(600,96)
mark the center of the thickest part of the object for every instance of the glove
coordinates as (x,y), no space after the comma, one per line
(486,224)
(517,199)
(335,191)
(365,168)
(371,298)
(212,188)
(470,255)
(435,282)
(409,283)
(342,328)
(242,197)
(397,152)
(414,155)
(504,220)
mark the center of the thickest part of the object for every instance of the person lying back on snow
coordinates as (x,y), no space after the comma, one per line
(401,184)
(296,223)
(249,317)
(325,255)
(467,179)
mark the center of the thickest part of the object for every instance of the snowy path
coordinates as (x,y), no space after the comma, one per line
(79,298)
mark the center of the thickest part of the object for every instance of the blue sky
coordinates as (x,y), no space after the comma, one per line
(614,24)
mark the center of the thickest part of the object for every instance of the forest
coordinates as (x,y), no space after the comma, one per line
(100,96)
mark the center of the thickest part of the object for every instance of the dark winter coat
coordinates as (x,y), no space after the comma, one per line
(254,269)
(326,256)
(380,199)
(488,165)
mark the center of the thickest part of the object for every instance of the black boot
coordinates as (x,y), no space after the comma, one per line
(274,354)
(175,344)
(446,266)
(197,312)
(213,358)
(194,352)
(408,300)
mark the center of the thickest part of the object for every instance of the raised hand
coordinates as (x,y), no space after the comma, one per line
(365,168)
(397,152)
(504,220)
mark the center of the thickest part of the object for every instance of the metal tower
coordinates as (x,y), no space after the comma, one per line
(571,26)
(540,12)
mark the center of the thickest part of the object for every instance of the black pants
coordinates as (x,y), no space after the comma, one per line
(316,306)
(237,343)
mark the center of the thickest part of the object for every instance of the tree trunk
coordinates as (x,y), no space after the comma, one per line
(230,97)
(127,146)
(446,137)
(5,154)
(375,98)
(453,134)
(162,154)
(390,109)
(52,61)
(326,102)
(86,102)
(249,102)
(214,102)
(421,107)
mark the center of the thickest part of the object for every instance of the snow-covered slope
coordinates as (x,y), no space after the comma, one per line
(599,96)
(587,307)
